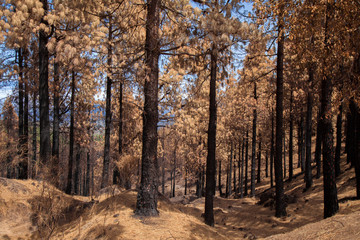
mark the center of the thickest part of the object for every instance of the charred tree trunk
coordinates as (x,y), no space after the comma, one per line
(116,174)
(229,188)
(284,156)
(291,162)
(77,173)
(69,186)
(308,133)
(280,207)
(219,179)
(331,205)
(253,148)
(45,146)
(267,164)
(34,136)
(300,144)
(211,160)
(338,141)
(272,150)
(259,162)
(87,178)
(318,145)
(242,170)
(147,197)
(106,162)
(246,164)
(355,143)
(56,124)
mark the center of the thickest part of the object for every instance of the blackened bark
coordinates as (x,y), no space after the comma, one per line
(34,136)
(246,164)
(338,141)
(211,160)
(258,180)
(272,150)
(163,163)
(239,168)
(355,143)
(266,163)
(301,144)
(280,205)
(87,178)
(284,152)
(186,177)
(146,204)
(308,132)
(26,122)
(56,122)
(77,172)
(229,188)
(318,145)
(253,148)
(45,146)
(69,185)
(291,130)
(234,170)
(242,170)
(116,174)
(331,205)
(106,162)
(219,179)
(350,134)
(174,172)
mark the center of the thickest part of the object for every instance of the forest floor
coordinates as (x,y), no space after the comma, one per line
(31,209)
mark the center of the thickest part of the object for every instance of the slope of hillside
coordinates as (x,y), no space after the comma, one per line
(31,209)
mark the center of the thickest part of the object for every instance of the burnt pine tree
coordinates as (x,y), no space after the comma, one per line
(211,161)
(280,207)
(45,146)
(308,132)
(146,204)
(331,205)
(338,141)
(69,185)
(291,130)
(253,148)
(106,161)
(56,121)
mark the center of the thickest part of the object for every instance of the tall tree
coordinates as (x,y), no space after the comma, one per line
(146,204)
(280,206)
(45,146)
(211,161)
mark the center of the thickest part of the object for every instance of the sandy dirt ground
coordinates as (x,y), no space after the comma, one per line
(31,209)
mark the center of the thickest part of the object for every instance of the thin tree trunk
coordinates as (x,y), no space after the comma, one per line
(146,204)
(259,162)
(34,137)
(354,128)
(45,146)
(242,170)
(253,149)
(69,186)
(239,169)
(230,169)
(308,133)
(77,173)
(211,160)
(291,162)
(163,164)
(56,124)
(267,164)
(87,178)
(272,150)
(234,170)
(280,205)
(116,173)
(174,169)
(246,163)
(338,141)
(219,179)
(106,162)
(318,146)
(284,156)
